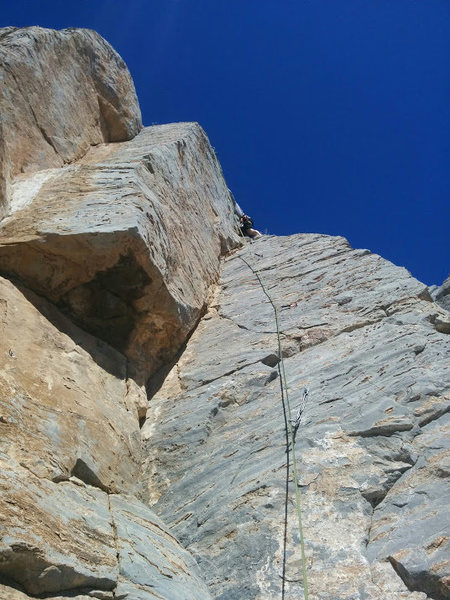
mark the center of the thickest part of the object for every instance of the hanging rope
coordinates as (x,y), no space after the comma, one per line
(292,432)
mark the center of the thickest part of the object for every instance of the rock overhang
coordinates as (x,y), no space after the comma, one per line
(127,241)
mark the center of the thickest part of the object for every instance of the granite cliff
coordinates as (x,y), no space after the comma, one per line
(143,440)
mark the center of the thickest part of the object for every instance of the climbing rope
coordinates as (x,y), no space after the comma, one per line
(284,391)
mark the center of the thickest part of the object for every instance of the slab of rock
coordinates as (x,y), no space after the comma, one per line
(361,335)
(54,536)
(65,407)
(69,443)
(152,562)
(127,241)
(72,537)
(412,525)
(60,93)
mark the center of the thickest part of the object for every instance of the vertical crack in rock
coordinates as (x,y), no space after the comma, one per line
(116,543)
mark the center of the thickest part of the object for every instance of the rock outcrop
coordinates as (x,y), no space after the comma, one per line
(441,294)
(360,333)
(143,445)
(126,241)
(108,264)
(70,512)
(60,93)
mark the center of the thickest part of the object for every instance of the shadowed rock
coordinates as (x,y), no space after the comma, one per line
(441,295)
(127,241)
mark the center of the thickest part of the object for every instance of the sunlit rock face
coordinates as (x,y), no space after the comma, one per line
(143,446)
(106,264)
(60,93)
(361,334)
(71,517)
(126,241)
(441,294)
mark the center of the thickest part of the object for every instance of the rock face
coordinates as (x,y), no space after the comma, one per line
(108,264)
(74,386)
(128,240)
(361,334)
(60,93)
(70,460)
(110,258)
(441,294)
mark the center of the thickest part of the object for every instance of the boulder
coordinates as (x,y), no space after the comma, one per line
(127,241)
(60,93)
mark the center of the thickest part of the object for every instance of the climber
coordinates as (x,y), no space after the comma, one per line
(246,225)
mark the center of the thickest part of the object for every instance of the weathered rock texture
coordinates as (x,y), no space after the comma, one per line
(70,458)
(108,263)
(109,257)
(362,334)
(128,240)
(441,294)
(60,93)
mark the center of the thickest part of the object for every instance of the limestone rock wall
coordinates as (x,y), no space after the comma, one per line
(126,241)
(110,263)
(110,258)
(70,453)
(370,345)
(107,259)
(60,93)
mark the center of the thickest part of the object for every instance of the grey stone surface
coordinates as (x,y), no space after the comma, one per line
(152,562)
(441,294)
(60,93)
(75,540)
(361,334)
(54,537)
(412,524)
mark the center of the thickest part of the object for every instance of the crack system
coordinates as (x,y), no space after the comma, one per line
(116,540)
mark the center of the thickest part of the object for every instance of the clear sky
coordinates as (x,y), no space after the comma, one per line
(327,116)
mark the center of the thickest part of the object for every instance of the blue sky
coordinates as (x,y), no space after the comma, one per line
(327,116)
